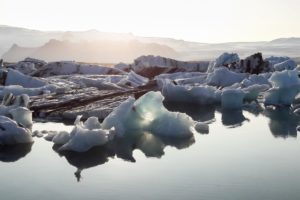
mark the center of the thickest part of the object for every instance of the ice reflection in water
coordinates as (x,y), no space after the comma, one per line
(282,123)
(123,147)
(12,153)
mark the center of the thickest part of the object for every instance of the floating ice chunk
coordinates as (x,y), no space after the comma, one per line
(222,77)
(18,90)
(82,139)
(17,78)
(287,64)
(10,102)
(252,92)
(101,84)
(143,62)
(61,138)
(232,99)
(92,123)
(284,79)
(50,135)
(11,133)
(286,85)
(203,95)
(276,59)
(224,60)
(180,75)
(260,79)
(133,79)
(70,67)
(281,96)
(37,133)
(22,116)
(149,114)
(202,127)
(122,66)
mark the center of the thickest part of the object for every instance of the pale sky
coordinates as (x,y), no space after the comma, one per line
(194,20)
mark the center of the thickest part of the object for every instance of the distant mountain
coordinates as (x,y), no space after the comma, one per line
(105,51)
(96,46)
(292,41)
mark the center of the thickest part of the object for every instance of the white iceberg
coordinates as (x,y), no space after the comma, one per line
(19,90)
(203,95)
(232,99)
(148,114)
(71,67)
(286,85)
(22,116)
(133,79)
(83,137)
(12,133)
(15,77)
(285,65)
(143,62)
(223,77)
(223,60)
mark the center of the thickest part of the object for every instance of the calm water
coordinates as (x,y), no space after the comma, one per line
(246,155)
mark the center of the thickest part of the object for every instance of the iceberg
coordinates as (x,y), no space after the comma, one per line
(71,67)
(16,106)
(285,65)
(15,77)
(12,133)
(148,114)
(202,95)
(19,90)
(224,60)
(286,85)
(83,137)
(232,99)
(223,77)
(22,116)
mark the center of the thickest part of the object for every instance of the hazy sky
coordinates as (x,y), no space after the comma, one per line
(195,20)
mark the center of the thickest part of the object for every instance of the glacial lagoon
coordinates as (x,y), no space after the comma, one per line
(247,154)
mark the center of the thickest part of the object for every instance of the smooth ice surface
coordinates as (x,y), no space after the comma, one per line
(148,114)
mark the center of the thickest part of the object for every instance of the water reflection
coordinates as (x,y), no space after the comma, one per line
(123,147)
(197,112)
(233,118)
(12,153)
(94,157)
(283,123)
